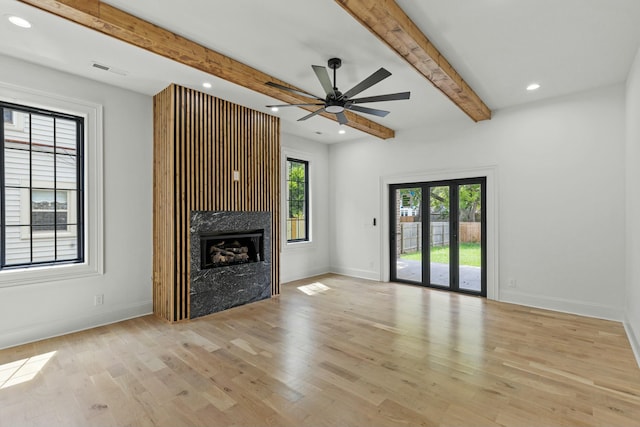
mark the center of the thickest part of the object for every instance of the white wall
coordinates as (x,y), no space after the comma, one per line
(560,179)
(632,156)
(300,260)
(32,312)
(560,176)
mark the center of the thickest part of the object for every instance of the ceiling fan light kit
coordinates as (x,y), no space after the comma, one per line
(335,109)
(336,102)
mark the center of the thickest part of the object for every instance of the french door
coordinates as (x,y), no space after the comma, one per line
(438,234)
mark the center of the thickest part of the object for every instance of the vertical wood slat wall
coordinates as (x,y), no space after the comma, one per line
(199,141)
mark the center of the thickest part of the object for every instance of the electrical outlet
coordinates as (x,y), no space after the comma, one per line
(98,299)
(512,283)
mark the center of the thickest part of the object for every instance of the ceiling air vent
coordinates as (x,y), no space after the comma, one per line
(102,67)
(108,68)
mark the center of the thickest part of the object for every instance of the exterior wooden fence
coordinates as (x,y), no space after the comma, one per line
(295,228)
(470,232)
(411,235)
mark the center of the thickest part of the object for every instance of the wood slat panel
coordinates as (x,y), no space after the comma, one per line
(199,140)
(164,204)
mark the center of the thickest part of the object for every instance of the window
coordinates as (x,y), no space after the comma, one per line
(41,188)
(49,210)
(44,214)
(79,249)
(11,119)
(297,200)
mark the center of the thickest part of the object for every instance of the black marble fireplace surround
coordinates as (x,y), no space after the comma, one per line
(226,286)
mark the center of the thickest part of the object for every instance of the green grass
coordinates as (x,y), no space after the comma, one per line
(470,254)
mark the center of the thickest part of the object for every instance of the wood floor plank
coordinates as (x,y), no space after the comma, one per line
(349,352)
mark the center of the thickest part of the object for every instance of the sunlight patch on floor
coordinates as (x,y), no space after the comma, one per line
(314,288)
(24,370)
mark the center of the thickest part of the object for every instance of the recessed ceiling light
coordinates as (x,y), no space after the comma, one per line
(342,131)
(206,85)
(20,22)
(533,86)
(274,109)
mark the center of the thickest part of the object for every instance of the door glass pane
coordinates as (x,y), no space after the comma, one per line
(440,222)
(470,237)
(409,234)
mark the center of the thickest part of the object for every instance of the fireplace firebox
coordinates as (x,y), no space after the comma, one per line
(231,248)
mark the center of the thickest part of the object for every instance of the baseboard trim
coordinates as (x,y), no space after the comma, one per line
(581,308)
(354,272)
(633,340)
(41,331)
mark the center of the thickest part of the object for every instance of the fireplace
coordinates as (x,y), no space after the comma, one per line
(231,248)
(230,259)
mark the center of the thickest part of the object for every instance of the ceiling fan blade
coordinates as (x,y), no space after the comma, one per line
(308,116)
(389,97)
(375,112)
(299,92)
(342,118)
(293,105)
(325,80)
(374,78)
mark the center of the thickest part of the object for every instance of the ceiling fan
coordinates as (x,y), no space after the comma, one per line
(335,101)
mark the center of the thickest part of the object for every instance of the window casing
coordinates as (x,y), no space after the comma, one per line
(41,188)
(297,190)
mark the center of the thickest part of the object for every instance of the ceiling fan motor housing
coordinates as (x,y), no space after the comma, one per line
(335,103)
(334,63)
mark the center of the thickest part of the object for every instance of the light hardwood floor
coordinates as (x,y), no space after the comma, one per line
(357,353)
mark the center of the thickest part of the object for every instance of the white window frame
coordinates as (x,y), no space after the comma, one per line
(287,153)
(93,187)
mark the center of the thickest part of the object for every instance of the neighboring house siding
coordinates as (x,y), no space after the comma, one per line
(17,200)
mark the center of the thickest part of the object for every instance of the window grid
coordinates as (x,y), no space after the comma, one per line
(297,200)
(35,215)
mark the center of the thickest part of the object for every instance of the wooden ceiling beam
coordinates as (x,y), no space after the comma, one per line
(389,23)
(123,26)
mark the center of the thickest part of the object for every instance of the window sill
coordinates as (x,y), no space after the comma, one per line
(44,274)
(297,246)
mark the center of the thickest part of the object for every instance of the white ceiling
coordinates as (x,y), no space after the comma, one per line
(497,46)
